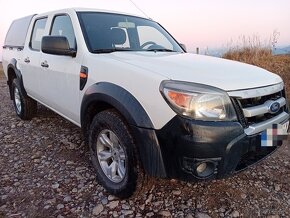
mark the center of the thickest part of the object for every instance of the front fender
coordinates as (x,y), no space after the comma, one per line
(120,99)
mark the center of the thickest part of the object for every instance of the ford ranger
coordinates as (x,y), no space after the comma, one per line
(143,103)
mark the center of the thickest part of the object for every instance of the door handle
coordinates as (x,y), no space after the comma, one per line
(26,60)
(44,64)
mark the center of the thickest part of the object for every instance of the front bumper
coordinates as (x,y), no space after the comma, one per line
(223,146)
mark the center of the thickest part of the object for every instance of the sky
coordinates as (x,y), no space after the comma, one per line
(196,23)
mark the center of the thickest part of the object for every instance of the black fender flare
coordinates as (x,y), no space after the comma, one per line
(130,108)
(12,66)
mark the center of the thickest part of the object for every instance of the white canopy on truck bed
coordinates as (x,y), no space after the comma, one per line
(17,32)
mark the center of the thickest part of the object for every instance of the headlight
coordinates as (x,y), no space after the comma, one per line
(197,101)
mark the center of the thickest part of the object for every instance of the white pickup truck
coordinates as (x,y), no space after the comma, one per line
(144,104)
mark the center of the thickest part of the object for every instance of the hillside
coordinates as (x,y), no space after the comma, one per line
(262,57)
(281,50)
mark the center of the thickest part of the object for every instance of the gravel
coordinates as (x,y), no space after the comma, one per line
(45,171)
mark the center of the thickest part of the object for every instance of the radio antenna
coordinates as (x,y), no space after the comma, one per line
(136,6)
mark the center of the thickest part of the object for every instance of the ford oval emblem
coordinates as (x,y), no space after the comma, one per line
(274,107)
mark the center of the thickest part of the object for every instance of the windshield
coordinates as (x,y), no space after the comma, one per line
(108,32)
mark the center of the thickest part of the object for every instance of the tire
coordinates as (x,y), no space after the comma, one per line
(113,154)
(25,107)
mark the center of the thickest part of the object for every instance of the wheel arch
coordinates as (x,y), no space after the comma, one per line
(12,73)
(104,95)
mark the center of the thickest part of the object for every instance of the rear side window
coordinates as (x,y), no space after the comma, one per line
(62,26)
(37,33)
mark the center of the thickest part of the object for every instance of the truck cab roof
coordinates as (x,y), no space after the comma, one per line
(79,9)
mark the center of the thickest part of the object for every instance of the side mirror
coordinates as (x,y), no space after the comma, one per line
(57,45)
(183,46)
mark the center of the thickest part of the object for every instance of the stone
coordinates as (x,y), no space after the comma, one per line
(115,214)
(165,213)
(243,196)
(51,201)
(142,206)
(59,206)
(222,210)
(113,204)
(277,187)
(179,214)
(4,197)
(127,212)
(98,209)
(235,214)
(149,199)
(36,161)
(55,186)
(72,146)
(104,201)
(111,197)
(176,192)
(157,203)
(202,215)
(81,185)
(67,198)
(150,214)
(125,207)
(16,184)
(69,162)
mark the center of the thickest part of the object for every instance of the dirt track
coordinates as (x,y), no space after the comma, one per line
(45,172)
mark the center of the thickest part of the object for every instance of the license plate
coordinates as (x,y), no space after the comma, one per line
(285,126)
(271,136)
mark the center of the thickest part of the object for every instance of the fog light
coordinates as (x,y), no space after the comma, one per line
(201,168)
(205,169)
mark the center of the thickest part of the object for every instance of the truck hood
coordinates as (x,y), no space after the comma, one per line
(221,73)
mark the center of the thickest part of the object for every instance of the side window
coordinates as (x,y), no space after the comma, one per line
(37,34)
(62,26)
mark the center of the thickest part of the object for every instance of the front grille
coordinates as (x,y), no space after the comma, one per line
(238,108)
(249,103)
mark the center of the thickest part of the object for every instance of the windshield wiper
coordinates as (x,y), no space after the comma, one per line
(160,49)
(110,50)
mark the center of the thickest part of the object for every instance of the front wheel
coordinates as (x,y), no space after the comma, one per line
(25,107)
(113,153)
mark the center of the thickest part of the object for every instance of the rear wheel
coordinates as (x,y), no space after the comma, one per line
(113,153)
(25,107)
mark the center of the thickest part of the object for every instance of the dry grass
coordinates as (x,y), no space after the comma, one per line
(262,57)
